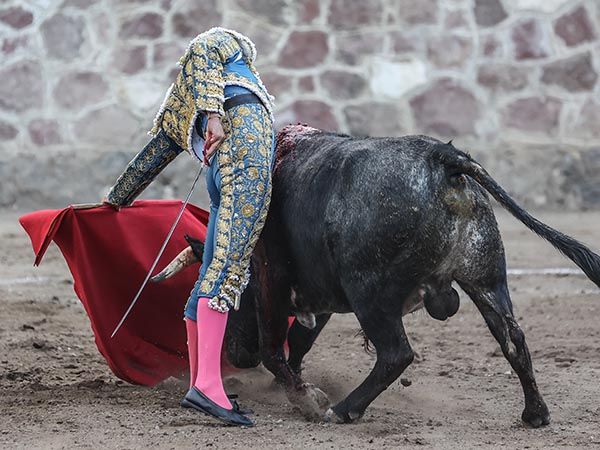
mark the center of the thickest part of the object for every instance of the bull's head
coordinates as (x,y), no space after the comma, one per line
(187,257)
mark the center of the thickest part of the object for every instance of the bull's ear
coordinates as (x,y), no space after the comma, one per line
(449,142)
(197,246)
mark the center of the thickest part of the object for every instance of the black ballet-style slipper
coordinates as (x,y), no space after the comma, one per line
(200,402)
(236,406)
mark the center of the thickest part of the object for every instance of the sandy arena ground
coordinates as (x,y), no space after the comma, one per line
(56,392)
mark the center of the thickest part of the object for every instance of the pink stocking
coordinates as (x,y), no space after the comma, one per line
(192,343)
(211,330)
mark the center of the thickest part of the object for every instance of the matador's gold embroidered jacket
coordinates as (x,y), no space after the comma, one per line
(200,83)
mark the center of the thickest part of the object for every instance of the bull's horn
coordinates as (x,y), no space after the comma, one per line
(184,259)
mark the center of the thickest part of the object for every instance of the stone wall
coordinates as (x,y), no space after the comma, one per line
(515,82)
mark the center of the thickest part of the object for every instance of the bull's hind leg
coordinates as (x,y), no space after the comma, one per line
(496,308)
(385,330)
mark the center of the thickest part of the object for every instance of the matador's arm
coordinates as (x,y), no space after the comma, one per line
(142,169)
(202,68)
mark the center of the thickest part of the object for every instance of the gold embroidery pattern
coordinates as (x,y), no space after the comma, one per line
(178,113)
(200,83)
(142,169)
(245,198)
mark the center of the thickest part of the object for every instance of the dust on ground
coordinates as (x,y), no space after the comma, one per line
(56,392)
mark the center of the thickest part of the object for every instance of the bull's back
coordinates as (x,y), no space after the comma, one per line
(366,177)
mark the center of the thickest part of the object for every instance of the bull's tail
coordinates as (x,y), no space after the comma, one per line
(460,163)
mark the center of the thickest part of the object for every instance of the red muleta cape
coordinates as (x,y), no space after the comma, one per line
(109,253)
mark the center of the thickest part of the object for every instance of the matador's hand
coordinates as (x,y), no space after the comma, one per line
(214,135)
(107,203)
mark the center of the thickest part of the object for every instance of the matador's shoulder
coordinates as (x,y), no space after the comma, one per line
(216,39)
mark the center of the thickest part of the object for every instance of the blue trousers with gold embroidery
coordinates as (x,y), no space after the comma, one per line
(239,185)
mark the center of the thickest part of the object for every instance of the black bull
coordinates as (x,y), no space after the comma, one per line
(379,227)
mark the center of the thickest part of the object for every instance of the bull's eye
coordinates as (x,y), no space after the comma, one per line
(458,180)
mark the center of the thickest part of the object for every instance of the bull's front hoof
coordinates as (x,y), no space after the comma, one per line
(332,416)
(311,400)
(536,418)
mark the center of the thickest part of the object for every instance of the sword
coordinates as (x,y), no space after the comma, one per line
(160,252)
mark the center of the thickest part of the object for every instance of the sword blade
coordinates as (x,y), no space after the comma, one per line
(160,252)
